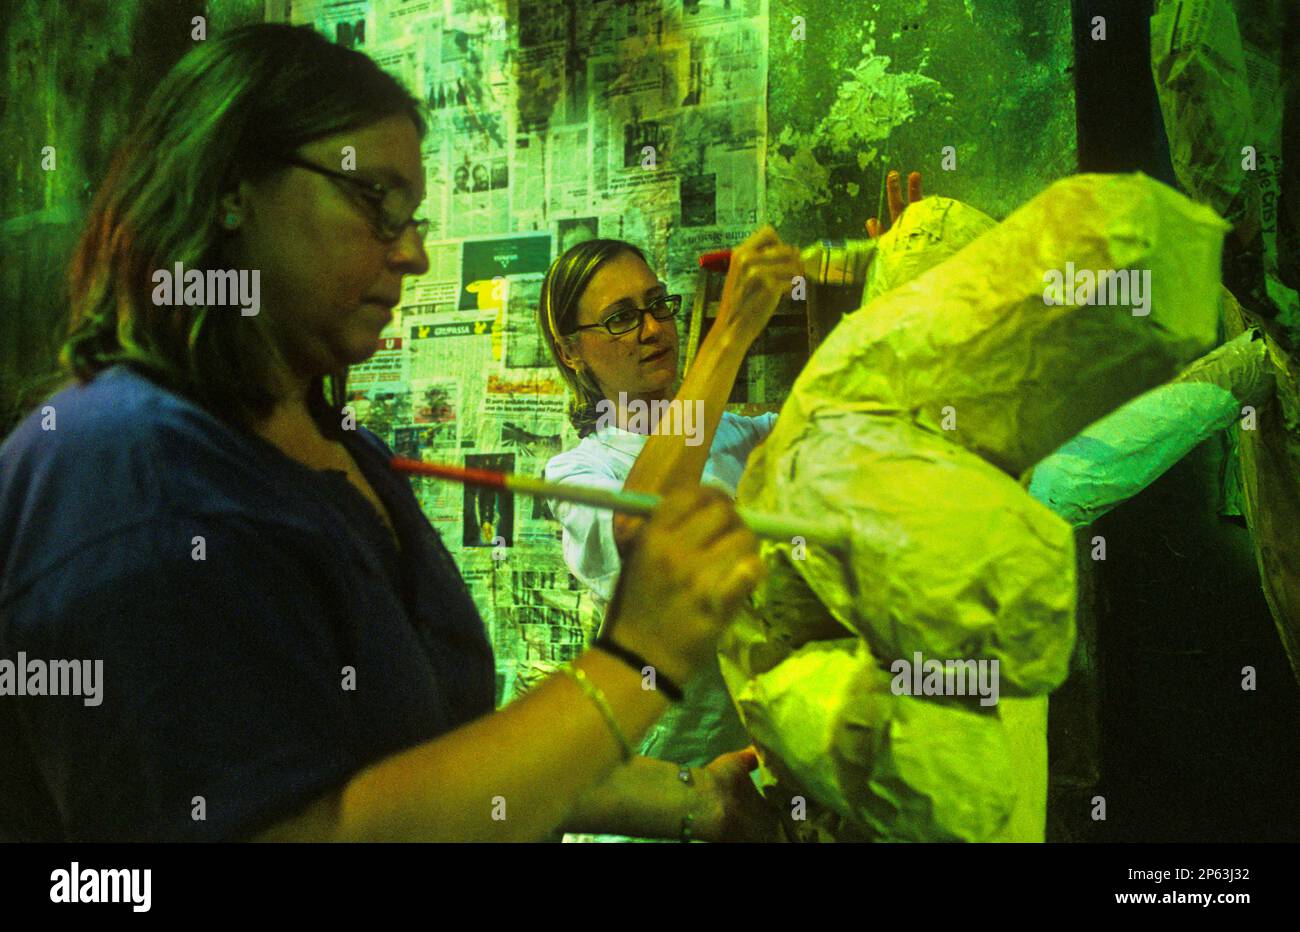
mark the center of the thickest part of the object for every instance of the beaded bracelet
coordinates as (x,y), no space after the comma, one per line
(688,821)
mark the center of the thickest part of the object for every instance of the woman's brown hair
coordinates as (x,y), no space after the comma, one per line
(224,113)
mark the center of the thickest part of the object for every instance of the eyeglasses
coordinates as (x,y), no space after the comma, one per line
(627,319)
(388,209)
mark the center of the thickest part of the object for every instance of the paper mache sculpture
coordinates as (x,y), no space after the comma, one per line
(1220,77)
(979,349)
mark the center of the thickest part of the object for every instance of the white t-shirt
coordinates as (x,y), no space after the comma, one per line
(704,724)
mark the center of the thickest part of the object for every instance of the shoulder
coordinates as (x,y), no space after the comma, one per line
(372,444)
(91,436)
(123,434)
(737,429)
(94,461)
(588,459)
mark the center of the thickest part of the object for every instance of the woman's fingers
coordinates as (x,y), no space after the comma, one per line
(894,192)
(762,271)
(739,569)
(913,187)
(688,571)
(779,255)
(759,238)
(713,518)
(716,553)
(675,507)
(777,270)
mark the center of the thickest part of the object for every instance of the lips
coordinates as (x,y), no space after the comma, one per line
(656,356)
(386,302)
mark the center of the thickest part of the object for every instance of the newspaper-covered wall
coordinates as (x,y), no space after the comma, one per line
(553,121)
(550,122)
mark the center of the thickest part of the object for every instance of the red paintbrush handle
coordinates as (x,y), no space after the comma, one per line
(462,473)
(716,261)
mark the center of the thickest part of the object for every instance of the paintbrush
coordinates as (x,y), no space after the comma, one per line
(829,262)
(772,527)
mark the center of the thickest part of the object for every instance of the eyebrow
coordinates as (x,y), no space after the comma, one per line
(623,302)
(391,178)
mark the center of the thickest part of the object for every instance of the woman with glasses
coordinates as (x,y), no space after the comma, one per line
(611,328)
(280,645)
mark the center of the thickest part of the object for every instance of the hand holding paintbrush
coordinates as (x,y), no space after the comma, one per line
(838,262)
(773,527)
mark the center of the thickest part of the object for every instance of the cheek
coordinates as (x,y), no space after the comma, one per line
(326,316)
(610,362)
(631,358)
(348,265)
(335,259)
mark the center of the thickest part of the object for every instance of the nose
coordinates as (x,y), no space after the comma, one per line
(651,327)
(407,253)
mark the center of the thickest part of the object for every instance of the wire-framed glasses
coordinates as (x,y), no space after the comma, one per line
(627,319)
(388,206)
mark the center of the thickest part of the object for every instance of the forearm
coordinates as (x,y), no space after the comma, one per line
(668,460)
(512,775)
(644,799)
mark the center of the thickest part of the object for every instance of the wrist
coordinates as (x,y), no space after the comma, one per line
(686,777)
(730,337)
(703,811)
(653,676)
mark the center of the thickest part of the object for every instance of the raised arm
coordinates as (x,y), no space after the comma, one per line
(762,270)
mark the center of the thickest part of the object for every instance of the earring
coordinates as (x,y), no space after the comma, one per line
(232,220)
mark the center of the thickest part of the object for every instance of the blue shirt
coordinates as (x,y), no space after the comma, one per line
(228,591)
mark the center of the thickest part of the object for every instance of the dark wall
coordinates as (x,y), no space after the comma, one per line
(1185,752)
(75,73)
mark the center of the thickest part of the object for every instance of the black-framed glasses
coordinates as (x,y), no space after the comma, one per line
(389,212)
(627,319)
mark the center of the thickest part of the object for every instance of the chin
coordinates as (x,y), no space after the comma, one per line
(667,380)
(358,350)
